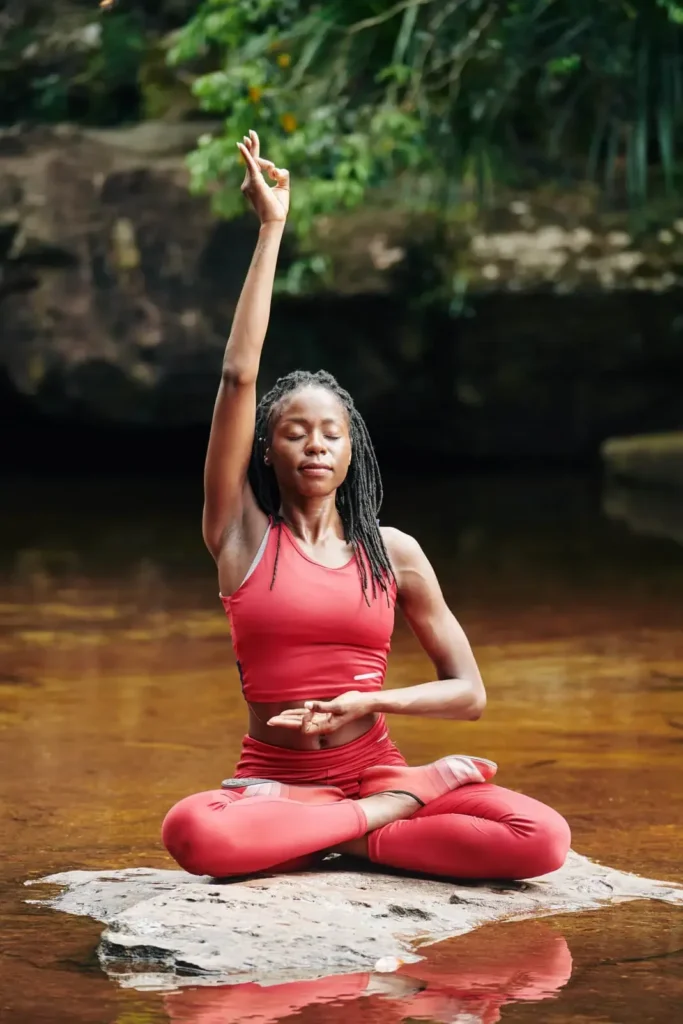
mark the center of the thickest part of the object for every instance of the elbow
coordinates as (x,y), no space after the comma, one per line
(477,704)
(238,375)
(212,544)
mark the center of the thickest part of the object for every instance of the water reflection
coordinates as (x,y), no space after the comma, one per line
(465,981)
(647,511)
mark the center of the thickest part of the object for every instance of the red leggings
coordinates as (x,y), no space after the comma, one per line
(477,831)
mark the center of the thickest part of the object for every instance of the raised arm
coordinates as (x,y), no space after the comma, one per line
(228,501)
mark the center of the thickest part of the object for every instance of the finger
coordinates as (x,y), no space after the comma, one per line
(269,167)
(255,143)
(280,722)
(252,167)
(281,176)
(293,715)
(326,707)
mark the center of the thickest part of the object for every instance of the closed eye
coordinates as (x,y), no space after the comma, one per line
(300,437)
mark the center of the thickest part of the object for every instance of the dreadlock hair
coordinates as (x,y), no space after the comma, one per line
(358,499)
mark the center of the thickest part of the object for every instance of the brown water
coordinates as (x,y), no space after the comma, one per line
(118,695)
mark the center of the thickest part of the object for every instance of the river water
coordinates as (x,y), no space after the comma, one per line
(118,695)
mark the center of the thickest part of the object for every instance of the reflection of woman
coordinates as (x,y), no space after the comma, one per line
(469,982)
(309,582)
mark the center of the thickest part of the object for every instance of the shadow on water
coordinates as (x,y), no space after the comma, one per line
(118,695)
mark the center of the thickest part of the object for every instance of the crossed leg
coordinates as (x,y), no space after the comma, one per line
(477,831)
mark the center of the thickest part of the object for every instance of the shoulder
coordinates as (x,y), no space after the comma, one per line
(403,550)
(416,580)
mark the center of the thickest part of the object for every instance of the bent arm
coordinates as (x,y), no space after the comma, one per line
(458,692)
(226,491)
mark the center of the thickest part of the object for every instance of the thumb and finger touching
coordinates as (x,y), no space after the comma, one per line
(256,164)
(325,707)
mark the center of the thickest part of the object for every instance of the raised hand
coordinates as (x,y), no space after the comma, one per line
(271,203)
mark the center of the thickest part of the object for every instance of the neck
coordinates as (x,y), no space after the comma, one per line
(312,519)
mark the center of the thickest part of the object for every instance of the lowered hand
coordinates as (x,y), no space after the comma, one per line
(319,717)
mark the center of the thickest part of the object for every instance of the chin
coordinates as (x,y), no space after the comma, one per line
(316,488)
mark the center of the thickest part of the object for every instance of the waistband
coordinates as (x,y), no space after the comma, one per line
(340,766)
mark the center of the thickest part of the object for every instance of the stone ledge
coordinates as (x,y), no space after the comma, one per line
(166,929)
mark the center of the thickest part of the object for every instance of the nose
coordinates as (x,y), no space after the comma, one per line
(315,444)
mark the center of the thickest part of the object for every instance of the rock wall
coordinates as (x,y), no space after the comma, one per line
(117,290)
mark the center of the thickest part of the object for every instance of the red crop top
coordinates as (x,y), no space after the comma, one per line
(313,635)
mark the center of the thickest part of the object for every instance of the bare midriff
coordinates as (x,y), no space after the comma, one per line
(294,739)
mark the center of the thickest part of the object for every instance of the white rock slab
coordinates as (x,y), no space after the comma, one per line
(165,929)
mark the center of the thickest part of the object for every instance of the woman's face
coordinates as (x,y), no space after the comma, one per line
(310,445)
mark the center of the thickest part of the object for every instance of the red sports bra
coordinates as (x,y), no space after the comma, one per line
(313,635)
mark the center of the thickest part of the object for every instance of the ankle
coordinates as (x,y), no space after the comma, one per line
(383,808)
(354,848)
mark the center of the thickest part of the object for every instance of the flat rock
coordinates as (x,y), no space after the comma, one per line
(165,929)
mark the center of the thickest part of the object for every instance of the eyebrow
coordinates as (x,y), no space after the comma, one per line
(305,422)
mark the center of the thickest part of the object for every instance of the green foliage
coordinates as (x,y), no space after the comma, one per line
(72,64)
(434,99)
(673,9)
(113,66)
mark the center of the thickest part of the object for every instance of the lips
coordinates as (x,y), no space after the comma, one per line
(315,468)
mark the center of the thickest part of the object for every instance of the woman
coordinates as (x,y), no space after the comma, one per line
(309,581)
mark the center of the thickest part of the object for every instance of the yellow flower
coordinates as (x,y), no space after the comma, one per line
(288,122)
(255,93)
(284,60)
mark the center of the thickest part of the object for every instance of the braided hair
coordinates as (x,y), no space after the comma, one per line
(359,497)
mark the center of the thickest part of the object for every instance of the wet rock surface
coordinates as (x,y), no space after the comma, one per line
(166,929)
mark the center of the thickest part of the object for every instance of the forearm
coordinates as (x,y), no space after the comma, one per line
(250,323)
(460,699)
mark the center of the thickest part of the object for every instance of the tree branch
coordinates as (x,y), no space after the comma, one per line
(379,19)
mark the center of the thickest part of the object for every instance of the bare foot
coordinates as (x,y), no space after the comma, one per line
(428,781)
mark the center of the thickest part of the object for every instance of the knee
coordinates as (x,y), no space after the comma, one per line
(189,833)
(547,844)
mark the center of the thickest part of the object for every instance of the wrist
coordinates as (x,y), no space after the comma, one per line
(376,703)
(273,228)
